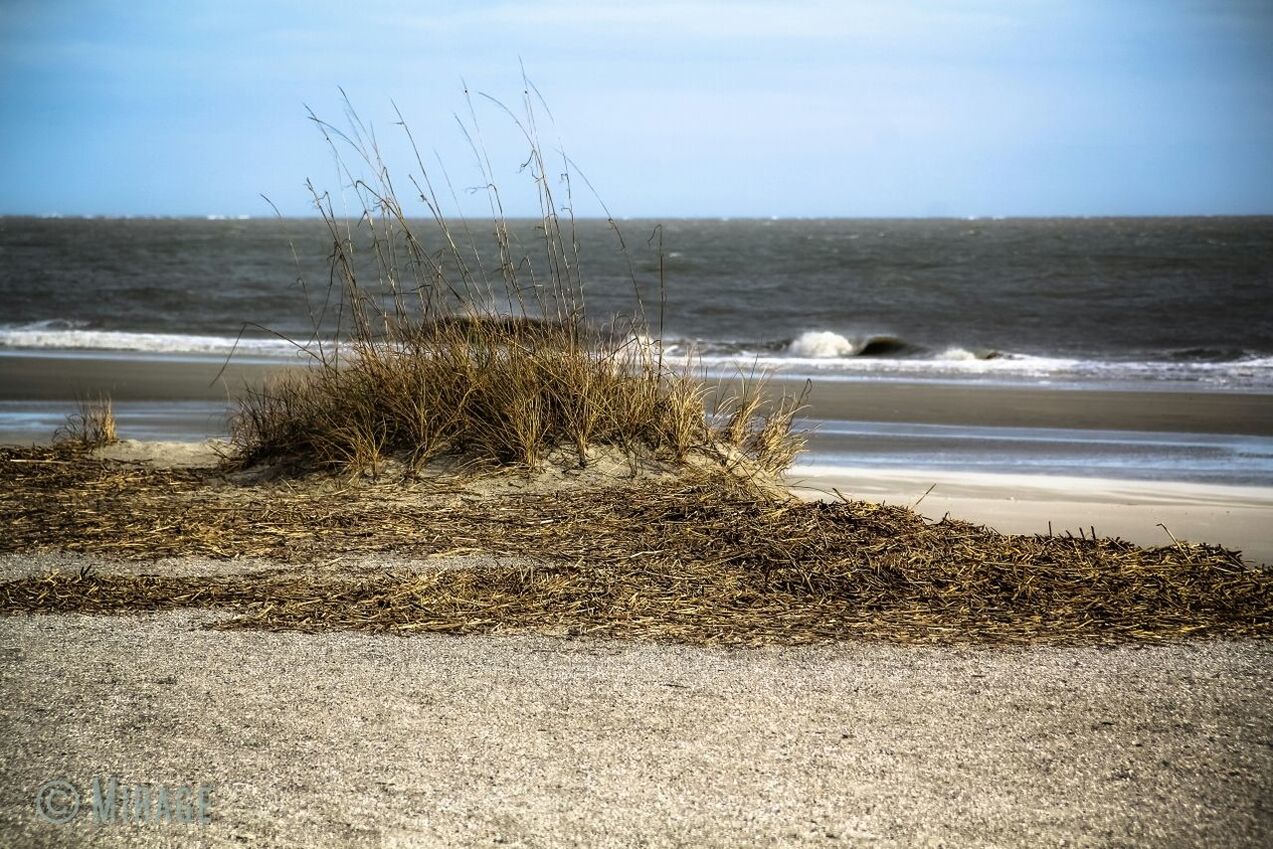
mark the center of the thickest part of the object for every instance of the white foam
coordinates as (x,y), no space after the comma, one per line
(958,355)
(1006,365)
(56,335)
(821,344)
(816,353)
(1250,374)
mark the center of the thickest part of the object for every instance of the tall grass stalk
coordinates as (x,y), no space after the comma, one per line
(436,350)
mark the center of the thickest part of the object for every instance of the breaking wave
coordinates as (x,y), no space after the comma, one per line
(60,335)
(824,343)
(816,353)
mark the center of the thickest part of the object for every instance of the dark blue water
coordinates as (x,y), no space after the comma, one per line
(1187,300)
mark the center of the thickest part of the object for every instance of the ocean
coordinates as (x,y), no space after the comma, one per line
(1178,312)
(1186,302)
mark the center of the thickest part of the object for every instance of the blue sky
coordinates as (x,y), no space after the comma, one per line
(1012,107)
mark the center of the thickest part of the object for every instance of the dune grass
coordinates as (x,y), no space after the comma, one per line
(504,394)
(452,338)
(92,425)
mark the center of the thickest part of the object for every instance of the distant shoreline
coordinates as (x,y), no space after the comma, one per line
(68,375)
(601,219)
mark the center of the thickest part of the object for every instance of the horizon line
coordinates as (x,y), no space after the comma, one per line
(603,219)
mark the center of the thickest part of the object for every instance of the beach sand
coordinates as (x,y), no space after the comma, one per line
(1148,513)
(364,740)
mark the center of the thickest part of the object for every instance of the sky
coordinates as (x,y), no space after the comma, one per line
(670,109)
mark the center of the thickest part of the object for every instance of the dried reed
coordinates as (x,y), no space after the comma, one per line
(92,425)
(704,558)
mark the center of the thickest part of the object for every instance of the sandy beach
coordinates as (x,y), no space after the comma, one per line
(363,740)
(352,739)
(356,739)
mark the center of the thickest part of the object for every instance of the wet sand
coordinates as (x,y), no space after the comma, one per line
(27,377)
(127,377)
(1030,406)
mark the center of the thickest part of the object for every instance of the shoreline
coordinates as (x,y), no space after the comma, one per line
(27,376)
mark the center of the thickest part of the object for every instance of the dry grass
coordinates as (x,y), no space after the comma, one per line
(706,558)
(92,425)
(448,342)
(500,393)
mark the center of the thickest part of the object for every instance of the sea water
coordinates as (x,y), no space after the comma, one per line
(1180,300)
(1141,304)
